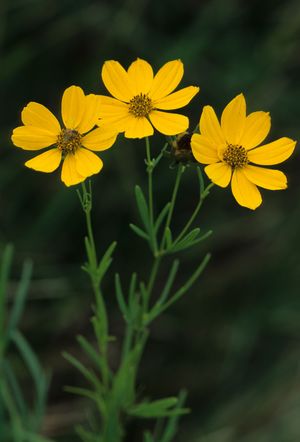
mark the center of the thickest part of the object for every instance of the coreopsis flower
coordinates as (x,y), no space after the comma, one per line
(42,129)
(233,153)
(141,99)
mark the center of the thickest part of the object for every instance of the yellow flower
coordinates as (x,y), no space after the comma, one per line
(230,148)
(41,129)
(138,95)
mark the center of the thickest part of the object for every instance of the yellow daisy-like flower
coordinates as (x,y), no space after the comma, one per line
(140,97)
(41,129)
(231,147)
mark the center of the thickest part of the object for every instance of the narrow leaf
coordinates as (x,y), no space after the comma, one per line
(18,307)
(154,313)
(171,277)
(161,217)
(120,297)
(139,232)
(172,423)
(89,375)
(159,408)
(5,265)
(142,207)
(168,236)
(106,261)
(90,351)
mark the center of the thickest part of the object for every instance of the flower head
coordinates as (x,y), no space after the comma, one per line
(41,129)
(140,97)
(231,151)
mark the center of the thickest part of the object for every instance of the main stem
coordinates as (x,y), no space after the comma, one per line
(92,270)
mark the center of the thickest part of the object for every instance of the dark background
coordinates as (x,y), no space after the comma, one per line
(233,341)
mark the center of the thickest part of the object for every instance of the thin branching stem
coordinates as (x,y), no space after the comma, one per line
(180,171)
(194,214)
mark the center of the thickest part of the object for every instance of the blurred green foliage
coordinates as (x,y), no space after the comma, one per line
(234,341)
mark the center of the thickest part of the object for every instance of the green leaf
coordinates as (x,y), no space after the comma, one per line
(18,306)
(87,436)
(158,408)
(120,297)
(15,388)
(142,207)
(89,375)
(161,217)
(91,352)
(166,290)
(32,437)
(5,265)
(85,392)
(39,378)
(28,356)
(180,292)
(189,241)
(132,286)
(14,417)
(186,240)
(106,260)
(139,232)
(172,423)
(123,391)
(168,236)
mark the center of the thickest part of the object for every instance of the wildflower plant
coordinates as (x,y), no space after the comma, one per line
(140,102)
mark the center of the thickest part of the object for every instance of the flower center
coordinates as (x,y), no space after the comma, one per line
(235,156)
(140,106)
(68,141)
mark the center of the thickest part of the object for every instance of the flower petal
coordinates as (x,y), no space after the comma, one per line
(169,124)
(166,79)
(177,99)
(91,113)
(267,178)
(233,119)
(245,192)
(257,127)
(138,128)
(46,161)
(35,114)
(210,126)
(272,153)
(73,107)
(32,138)
(141,76)
(101,138)
(110,107)
(87,163)
(118,123)
(69,174)
(219,173)
(204,150)
(116,81)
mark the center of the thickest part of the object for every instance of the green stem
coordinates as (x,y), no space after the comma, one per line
(87,198)
(150,181)
(92,269)
(180,171)
(194,214)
